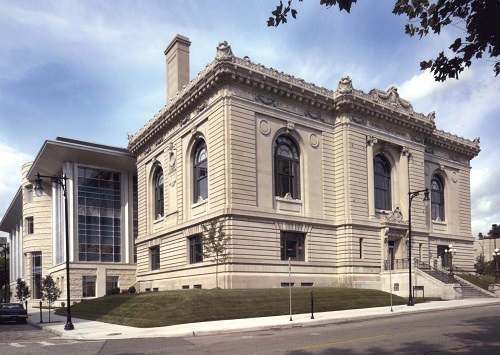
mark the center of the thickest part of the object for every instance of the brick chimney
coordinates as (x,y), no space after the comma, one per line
(177,57)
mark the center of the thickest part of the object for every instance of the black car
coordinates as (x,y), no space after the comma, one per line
(13,312)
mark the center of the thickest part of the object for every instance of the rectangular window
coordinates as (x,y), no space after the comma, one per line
(29,193)
(99,215)
(292,246)
(112,285)
(30,227)
(195,249)
(36,271)
(155,258)
(361,248)
(88,286)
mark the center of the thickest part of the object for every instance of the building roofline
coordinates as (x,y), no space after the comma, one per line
(13,213)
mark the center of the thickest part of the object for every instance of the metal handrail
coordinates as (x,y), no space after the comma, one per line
(424,265)
(480,282)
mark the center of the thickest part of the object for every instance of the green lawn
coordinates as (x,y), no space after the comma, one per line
(157,309)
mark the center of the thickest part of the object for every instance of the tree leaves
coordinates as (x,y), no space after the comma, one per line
(477,19)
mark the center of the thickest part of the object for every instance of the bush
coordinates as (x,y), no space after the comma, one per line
(131,289)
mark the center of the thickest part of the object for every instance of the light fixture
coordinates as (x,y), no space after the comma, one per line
(61,180)
(411,196)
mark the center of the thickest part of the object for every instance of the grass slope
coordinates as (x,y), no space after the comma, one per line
(189,306)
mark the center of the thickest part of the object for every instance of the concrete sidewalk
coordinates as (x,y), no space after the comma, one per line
(85,329)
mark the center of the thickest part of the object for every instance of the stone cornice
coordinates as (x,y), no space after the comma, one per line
(454,143)
(383,106)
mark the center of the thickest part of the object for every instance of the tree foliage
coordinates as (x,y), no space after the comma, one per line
(494,232)
(477,19)
(22,290)
(50,292)
(215,244)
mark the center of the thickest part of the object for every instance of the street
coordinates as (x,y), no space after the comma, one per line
(464,331)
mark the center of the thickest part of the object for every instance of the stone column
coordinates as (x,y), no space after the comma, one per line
(370,142)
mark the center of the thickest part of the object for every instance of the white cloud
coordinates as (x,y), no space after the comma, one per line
(485,193)
(10,173)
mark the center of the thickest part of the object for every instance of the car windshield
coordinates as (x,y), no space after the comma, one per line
(12,306)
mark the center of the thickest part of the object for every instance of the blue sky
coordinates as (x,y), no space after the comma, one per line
(95,70)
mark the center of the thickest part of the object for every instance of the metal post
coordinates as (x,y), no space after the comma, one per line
(410,297)
(312,304)
(41,320)
(69,323)
(390,276)
(290,285)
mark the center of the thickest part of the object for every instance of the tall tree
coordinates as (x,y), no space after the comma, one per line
(494,233)
(478,20)
(50,292)
(215,244)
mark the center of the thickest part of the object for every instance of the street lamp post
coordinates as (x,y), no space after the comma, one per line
(61,180)
(496,257)
(451,253)
(411,196)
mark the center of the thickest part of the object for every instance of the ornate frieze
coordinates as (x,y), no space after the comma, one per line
(266,100)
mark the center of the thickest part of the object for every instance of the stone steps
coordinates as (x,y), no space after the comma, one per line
(468,291)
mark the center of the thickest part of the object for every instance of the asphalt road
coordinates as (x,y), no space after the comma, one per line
(459,331)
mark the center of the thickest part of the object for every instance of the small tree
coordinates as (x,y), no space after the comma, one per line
(22,291)
(480,264)
(50,292)
(215,244)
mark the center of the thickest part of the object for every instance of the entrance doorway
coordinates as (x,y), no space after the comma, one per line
(444,256)
(391,254)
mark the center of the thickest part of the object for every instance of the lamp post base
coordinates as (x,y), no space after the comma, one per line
(69,325)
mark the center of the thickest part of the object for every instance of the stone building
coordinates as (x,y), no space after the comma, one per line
(307,180)
(101,188)
(302,176)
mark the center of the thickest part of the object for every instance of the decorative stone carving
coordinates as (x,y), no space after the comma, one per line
(201,107)
(431,116)
(405,151)
(358,120)
(264,127)
(313,115)
(427,169)
(371,140)
(172,157)
(417,139)
(224,52)
(269,101)
(345,85)
(290,126)
(313,140)
(454,177)
(429,150)
(194,131)
(391,97)
(395,216)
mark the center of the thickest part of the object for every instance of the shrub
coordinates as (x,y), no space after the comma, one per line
(131,289)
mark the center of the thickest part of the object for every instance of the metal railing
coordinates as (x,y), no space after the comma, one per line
(397,264)
(468,276)
(445,275)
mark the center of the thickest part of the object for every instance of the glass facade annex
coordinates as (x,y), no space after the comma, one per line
(99,215)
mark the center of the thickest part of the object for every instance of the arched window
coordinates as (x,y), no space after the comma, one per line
(286,167)
(437,198)
(158,191)
(200,172)
(382,169)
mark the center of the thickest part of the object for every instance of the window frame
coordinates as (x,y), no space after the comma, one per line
(382,183)
(195,249)
(437,207)
(159,193)
(200,171)
(286,167)
(154,255)
(30,225)
(87,282)
(293,243)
